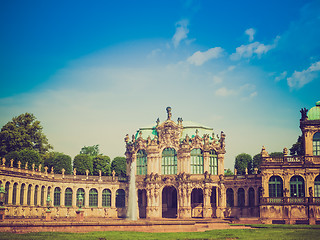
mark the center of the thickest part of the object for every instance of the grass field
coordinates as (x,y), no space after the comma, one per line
(262,232)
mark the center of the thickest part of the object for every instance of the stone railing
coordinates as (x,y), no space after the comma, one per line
(290,201)
(291,160)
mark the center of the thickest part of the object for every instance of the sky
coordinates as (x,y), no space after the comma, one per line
(93,71)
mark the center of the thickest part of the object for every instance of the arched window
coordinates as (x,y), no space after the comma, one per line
(81,192)
(14,194)
(169,161)
(275,186)
(93,197)
(22,193)
(35,197)
(42,195)
(29,194)
(56,197)
(296,186)
(230,197)
(251,197)
(241,197)
(7,192)
(316,144)
(317,186)
(106,198)
(213,162)
(49,193)
(141,162)
(120,198)
(196,161)
(68,197)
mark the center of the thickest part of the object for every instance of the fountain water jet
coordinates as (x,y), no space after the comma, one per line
(132,201)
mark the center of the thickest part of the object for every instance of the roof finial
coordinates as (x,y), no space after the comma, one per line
(169,113)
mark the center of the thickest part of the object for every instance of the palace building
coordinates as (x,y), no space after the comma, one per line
(179,173)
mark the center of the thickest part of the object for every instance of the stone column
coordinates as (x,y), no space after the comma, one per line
(113,198)
(62,197)
(220,164)
(86,194)
(10,194)
(100,197)
(74,197)
(207,209)
(235,197)
(206,162)
(25,197)
(18,194)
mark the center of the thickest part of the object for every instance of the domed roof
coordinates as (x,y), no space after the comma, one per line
(314,113)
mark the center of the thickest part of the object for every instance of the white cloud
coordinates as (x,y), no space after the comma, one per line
(246,90)
(181,32)
(199,58)
(217,79)
(250,32)
(224,92)
(299,79)
(154,53)
(253,49)
(281,76)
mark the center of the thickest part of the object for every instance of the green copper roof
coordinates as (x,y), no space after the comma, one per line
(314,113)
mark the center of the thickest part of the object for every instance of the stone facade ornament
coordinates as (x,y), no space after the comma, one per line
(19,164)
(26,166)
(11,163)
(3,161)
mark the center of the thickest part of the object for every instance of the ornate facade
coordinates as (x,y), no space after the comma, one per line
(179,172)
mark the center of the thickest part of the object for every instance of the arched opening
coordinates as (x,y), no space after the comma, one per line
(141,162)
(275,187)
(120,198)
(297,187)
(251,197)
(22,194)
(230,197)
(169,161)
(68,197)
(14,194)
(106,198)
(81,192)
(213,162)
(93,197)
(241,197)
(29,195)
(142,203)
(7,193)
(213,201)
(35,197)
(169,202)
(42,195)
(56,197)
(316,144)
(196,161)
(317,186)
(197,203)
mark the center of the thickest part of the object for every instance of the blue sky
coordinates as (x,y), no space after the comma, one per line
(93,71)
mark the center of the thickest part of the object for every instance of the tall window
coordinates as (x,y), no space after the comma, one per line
(29,195)
(68,197)
(317,186)
(120,198)
(316,144)
(42,195)
(141,162)
(230,197)
(14,194)
(7,192)
(275,187)
(93,197)
(22,193)
(106,198)
(241,197)
(169,161)
(196,161)
(56,197)
(251,197)
(296,186)
(35,198)
(213,163)
(81,192)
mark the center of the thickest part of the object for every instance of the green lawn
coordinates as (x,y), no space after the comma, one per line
(277,232)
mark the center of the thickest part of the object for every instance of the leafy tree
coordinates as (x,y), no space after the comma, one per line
(12,155)
(276,154)
(257,160)
(82,162)
(30,157)
(242,162)
(58,161)
(119,165)
(102,163)
(228,172)
(90,150)
(23,132)
(297,148)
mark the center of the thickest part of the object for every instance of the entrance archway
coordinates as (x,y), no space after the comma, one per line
(142,203)
(197,203)
(169,202)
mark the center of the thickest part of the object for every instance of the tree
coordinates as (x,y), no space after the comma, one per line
(23,132)
(257,160)
(228,172)
(90,150)
(119,165)
(102,163)
(242,162)
(297,148)
(30,157)
(82,162)
(58,161)
(276,154)
(12,155)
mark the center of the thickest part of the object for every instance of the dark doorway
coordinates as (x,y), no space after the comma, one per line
(169,202)
(197,203)
(142,203)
